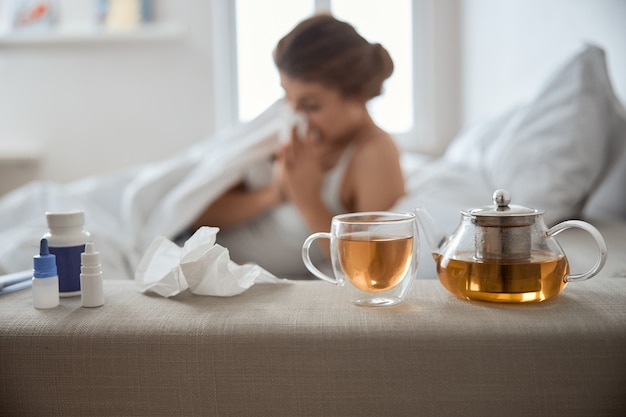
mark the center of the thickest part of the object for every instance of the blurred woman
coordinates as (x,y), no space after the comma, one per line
(343,162)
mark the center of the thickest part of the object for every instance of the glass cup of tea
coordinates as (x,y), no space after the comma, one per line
(373,254)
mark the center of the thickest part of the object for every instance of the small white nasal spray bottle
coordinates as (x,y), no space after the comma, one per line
(45,278)
(92,291)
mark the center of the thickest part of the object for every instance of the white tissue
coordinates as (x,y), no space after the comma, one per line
(260,173)
(301,123)
(293,119)
(200,265)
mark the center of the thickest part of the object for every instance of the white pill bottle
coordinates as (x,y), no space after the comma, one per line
(66,240)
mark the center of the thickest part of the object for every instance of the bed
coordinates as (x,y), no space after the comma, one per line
(563,151)
(298,348)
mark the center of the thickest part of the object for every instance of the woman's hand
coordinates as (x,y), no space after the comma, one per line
(300,171)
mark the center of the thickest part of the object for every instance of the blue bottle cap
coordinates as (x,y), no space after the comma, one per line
(45,264)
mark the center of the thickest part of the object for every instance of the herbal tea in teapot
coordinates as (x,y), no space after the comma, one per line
(505,253)
(538,278)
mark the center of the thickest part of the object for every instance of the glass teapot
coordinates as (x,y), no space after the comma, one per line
(505,253)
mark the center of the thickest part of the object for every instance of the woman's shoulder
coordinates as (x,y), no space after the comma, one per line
(376,146)
(374,180)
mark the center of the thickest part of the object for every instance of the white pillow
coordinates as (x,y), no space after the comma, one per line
(552,151)
(470,146)
(608,200)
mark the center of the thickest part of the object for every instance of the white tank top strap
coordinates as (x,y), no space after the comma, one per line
(331,190)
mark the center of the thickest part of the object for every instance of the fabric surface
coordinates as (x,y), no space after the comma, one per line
(300,348)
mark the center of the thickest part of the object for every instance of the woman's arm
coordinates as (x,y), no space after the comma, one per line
(239,205)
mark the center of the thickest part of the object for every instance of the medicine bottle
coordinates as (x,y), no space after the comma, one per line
(91,286)
(66,240)
(45,279)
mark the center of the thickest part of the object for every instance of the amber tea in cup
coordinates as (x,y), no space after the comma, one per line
(374,264)
(374,253)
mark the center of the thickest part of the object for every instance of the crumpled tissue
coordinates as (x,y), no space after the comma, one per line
(201,265)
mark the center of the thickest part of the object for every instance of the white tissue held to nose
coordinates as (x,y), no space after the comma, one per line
(293,119)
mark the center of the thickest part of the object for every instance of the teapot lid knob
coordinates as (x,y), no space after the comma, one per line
(501,198)
(502,213)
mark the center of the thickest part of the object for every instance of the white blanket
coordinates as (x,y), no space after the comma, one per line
(124,211)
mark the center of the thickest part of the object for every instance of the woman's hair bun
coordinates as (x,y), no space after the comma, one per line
(329,51)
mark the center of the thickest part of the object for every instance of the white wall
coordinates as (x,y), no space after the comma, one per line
(509,47)
(98,107)
(94,107)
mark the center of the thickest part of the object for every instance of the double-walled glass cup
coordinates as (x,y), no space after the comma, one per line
(373,254)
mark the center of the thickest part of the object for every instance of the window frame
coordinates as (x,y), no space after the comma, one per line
(436,104)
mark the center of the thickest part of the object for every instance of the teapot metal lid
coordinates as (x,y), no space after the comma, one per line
(502,213)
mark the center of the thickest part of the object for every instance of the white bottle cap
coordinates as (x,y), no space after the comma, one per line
(90,257)
(90,260)
(65,219)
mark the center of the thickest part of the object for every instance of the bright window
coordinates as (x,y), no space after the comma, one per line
(260,24)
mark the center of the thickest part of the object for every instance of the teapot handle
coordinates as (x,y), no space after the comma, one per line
(597,237)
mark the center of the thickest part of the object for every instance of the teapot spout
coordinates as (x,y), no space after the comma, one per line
(433,233)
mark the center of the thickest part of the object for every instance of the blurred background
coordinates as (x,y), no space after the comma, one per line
(89,87)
